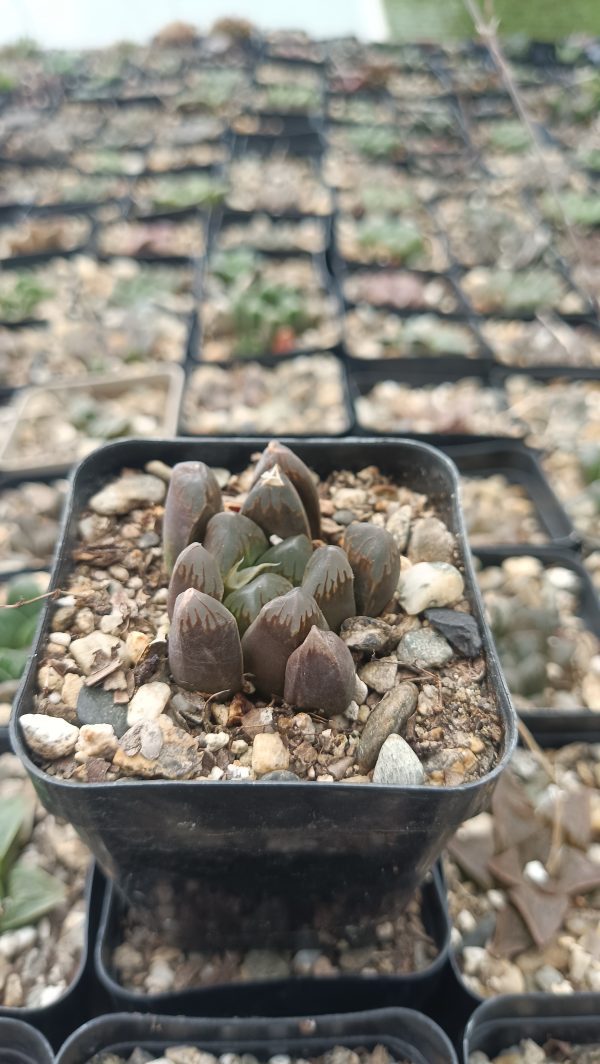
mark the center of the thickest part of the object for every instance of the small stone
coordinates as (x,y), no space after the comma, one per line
(398,524)
(49,737)
(344,517)
(216,741)
(71,688)
(367,634)
(239,746)
(159,469)
(96,740)
(429,584)
(425,649)
(388,717)
(590,686)
(269,753)
(135,645)
(460,629)
(351,711)
(397,764)
(86,649)
(534,872)
(63,639)
(280,776)
(430,541)
(261,964)
(360,691)
(13,943)
(304,960)
(96,706)
(379,674)
(548,977)
(349,498)
(158,750)
(148,702)
(127,493)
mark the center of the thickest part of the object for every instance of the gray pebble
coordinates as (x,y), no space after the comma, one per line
(430,541)
(96,706)
(424,648)
(262,964)
(460,629)
(278,775)
(379,674)
(366,633)
(389,716)
(344,517)
(397,764)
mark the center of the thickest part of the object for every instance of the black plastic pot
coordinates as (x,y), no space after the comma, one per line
(22,1044)
(407,1034)
(286,996)
(501,1023)
(556,727)
(520,465)
(56,1021)
(190,826)
(270,362)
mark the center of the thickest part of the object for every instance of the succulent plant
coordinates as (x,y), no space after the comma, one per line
(281,626)
(274,504)
(197,568)
(299,474)
(26,892)
(328,577)
(375,560)
(249,596)
(232,538)
(17,627)
(320,674)
(192,499)
(205,653)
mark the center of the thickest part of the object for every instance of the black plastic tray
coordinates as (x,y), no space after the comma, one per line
(56,1021)
(406,1033)
(270,362)
(22,1044)
(520,465)
(556,727)
(289,996)
(189,825)
(502,1022)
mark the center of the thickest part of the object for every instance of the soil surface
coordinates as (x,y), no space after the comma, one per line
(524,879)
(109,644)
(353,934)
(39,961)
(554,1051)
(191,1055)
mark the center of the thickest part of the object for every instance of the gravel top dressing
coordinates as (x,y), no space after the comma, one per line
(191,1055)
(554,1051)
(524,878)
(119,695)
(43,919)
(345,937)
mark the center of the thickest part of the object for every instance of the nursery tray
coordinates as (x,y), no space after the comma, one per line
(555,727)
(502,1022)
(22,1044)
(405,1033)
(55,1021)
(188,826)
(170,377)
(520,465)
(289,996)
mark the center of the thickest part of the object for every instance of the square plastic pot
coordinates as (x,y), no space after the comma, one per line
(287,996)
(22,1044)
(406,1034)
(189,827)
(501,1023)
(554,727)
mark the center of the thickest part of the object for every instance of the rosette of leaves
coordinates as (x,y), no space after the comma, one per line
(251,596)
(17,627)
(27,892)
